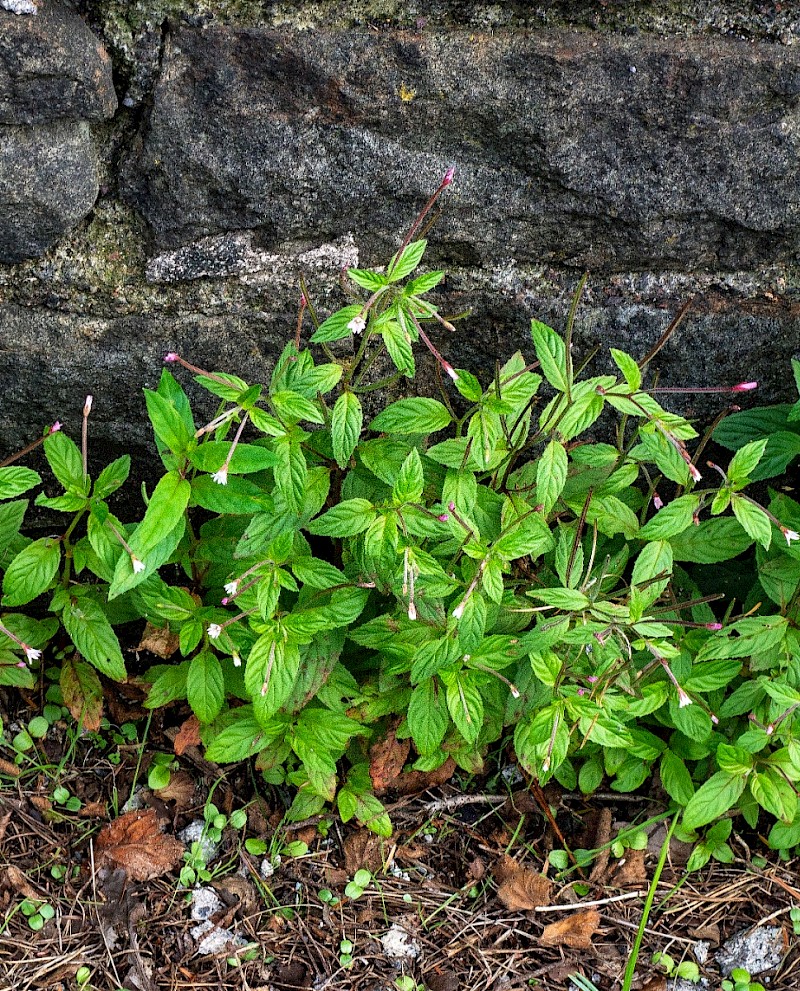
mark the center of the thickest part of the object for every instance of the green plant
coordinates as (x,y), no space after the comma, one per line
(740,981)
(36,913)
(467,567)
(685,970)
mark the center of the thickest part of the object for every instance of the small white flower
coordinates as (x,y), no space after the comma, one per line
(458,612)
(237,661)
(357,325)
(138,566)
(221,476)
(450,371)
(694,472)
(791,535)
(683,699)
(231,588)
(214,630)
(31,653)
(514,691)
(412,611)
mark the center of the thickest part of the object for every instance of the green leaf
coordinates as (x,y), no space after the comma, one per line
(346,423)
(65,460)
(774,793)
(561,598)
(745,461)
(629,368)
(317,574)
(710,542)
(367,279)
(654,559)
(405,261)
(70,502)
(112,477)
(243,738)
(205,686)
(465,705)
(713,799)
(246,458)
(675,778)
(293,407)
(14,481)
(168,686)
(335,327)
(224,385)
(398,344)
(753,519)
(11,517)
(169,425)
(266,423)
(350,517)
(427,716)
(410,481)
(163,514)
(239,496)
(412,416)
(671,519)
(93,636)
(424,283)
(31,571)
(552,354)
(551,474)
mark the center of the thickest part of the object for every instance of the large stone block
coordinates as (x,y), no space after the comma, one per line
(55,78)
(574,148)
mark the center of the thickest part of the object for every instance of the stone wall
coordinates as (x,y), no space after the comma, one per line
(169,169)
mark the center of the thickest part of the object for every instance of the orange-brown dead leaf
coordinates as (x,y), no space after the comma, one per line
(188,735)
(135,843)
(158,641)
(387,758)
(631,872)
(16,879)
(576,930)
(362,849)
(180,790)
(412,782)
(521,889)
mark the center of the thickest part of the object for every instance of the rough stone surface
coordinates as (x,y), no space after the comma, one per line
(754,950)
(259,141)
(55,77)
(48,182)
(620,153)
(52,68)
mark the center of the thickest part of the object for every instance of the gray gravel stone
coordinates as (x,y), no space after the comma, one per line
(754,950)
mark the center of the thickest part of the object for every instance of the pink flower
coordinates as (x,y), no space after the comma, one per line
(55,428)
(658,502)
(232,587)
(744,387)
(412,611)
(170,356)
(683,698)
(713,626)
(87,406)
(448,176)
(443,518)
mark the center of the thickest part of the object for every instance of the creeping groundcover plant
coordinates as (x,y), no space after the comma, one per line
(459,569)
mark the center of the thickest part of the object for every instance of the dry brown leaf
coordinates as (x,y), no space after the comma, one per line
(387,758)
(135,843)
(601,840)
(631,872)
(237,891)
(656,984)
(181,789)
(521,889)
(6,767)
(412,782)
(160,642)
(93,810)
(20,883)
(40,802)
(575,930)
(477,869)
(362,849)
(709,931)
(188,735)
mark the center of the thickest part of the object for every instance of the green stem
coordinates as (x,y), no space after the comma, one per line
(651,894)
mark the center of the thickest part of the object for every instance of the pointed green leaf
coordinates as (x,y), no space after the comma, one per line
(551,474)
(93,636)
(31,571)
(412,416)
(754,520)
(205,686)
(16,480)
(346,422)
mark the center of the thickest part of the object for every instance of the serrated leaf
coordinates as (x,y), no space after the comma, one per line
(654,559)
(746,459)
(93,636)
(346,422)
(335,327)
(427,716)
(164,513)
(290,472)
(367,279)
(11,517)
(65,460)
(16,480)
(671,519)
(404,262)
(246,458)
(168,423)
(551,474)
(412,416)
(465,705)
(711,542)
(713,799)
(112,477)
(410,480)
(291,406)
(82,692)
(31,571)
(205,686)
(629,368)
(398,344)
(424,283)
(552,354)
(753,519)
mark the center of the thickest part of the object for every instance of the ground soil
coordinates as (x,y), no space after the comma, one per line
(463,876)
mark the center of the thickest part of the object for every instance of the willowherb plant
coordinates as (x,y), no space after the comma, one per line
(455,568)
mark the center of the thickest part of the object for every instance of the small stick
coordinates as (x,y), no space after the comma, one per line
(594,904)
